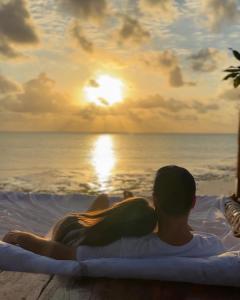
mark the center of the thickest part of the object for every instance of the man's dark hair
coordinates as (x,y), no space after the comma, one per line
(174,190)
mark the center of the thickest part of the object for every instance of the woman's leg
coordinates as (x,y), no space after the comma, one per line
(102,201)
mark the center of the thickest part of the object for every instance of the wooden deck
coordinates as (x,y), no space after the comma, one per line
(20,286)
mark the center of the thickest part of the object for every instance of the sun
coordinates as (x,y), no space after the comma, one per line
(105,90)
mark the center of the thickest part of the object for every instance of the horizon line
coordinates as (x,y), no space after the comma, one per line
(117,132)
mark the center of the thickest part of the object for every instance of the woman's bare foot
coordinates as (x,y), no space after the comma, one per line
(101,202)
(127,194)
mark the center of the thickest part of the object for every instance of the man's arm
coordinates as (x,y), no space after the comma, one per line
(40,245)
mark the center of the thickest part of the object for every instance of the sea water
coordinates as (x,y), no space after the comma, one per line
(60,163)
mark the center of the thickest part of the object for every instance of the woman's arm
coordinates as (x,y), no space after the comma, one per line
(40,245)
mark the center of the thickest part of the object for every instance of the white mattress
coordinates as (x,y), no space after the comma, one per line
(207,216)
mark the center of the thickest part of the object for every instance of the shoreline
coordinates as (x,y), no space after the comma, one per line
(217,187)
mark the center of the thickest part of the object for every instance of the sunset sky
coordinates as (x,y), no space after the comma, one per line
(118,66)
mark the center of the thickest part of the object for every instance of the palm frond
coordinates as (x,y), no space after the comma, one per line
(234,71)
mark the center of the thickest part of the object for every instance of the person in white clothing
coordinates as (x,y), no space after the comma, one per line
(131,228)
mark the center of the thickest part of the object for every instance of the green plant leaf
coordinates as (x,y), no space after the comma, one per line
(232,75)
(235,53)
(236,82)
(232,70)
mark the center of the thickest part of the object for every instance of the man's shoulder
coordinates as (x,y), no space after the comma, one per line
(204,235)
(144,238)
(206,239)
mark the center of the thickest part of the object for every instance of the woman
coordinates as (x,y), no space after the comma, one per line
(99,226)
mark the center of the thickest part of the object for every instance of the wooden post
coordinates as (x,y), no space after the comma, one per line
(238,160)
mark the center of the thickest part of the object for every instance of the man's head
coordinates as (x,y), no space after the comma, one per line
(174,191)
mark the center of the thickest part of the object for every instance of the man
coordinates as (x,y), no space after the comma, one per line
(174,195)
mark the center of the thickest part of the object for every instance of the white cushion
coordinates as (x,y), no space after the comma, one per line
(216,270)
(16,259)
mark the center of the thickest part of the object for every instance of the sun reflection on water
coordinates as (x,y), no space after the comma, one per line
(103,159)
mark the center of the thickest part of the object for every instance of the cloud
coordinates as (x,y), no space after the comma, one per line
(203,108)
(132,32)
(93,83)
(38,96)
(136,109)
(88,112)
(81,39)
(8,86)
(157,101)
(172,105)
(85,9)
(205,60)
(167,63)
(220,12)
(39,105)
(7,50)
(166,9)
(15,22)
(167,59)
(16,27)
(230,94)
(176,78)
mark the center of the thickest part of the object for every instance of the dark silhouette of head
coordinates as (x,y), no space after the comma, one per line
(174,191)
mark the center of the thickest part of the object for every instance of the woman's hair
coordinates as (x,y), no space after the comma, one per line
(129,218)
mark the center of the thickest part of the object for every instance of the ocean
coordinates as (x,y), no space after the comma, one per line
(63,163)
